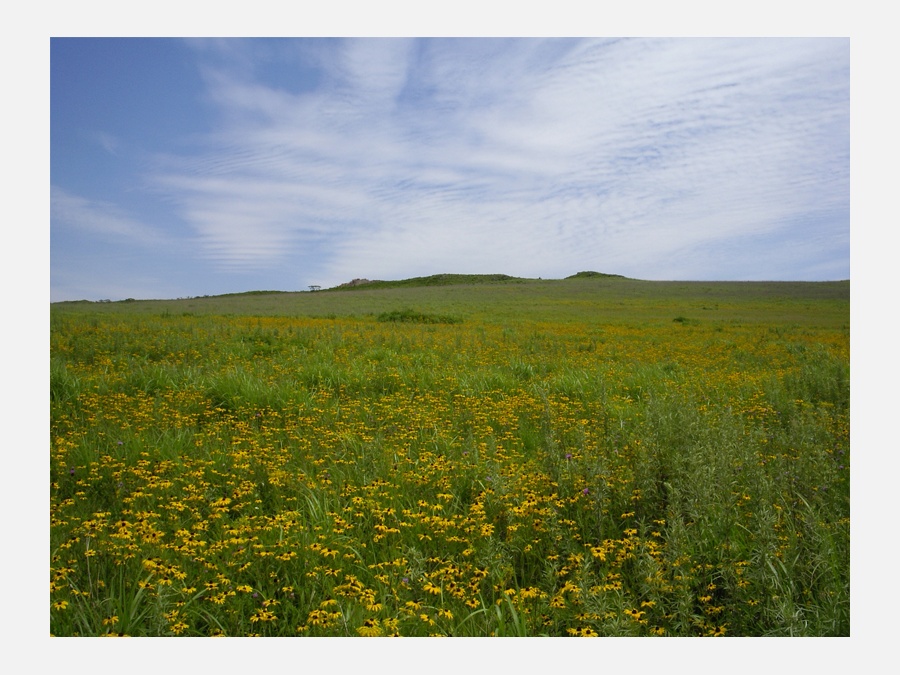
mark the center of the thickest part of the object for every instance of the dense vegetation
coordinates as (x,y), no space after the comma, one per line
(590,456)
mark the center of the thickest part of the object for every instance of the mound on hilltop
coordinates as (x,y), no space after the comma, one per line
(433,280)
(359,282)
(458,280)
(595,275)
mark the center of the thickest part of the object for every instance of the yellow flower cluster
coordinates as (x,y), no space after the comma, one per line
(281,475)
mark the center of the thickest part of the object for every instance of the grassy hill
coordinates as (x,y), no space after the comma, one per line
(586,297)
(433,280)
(458,280)
(456,455)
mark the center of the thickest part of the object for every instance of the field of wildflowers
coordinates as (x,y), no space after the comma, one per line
(350,476)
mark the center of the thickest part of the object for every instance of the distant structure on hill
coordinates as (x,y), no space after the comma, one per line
(356,282)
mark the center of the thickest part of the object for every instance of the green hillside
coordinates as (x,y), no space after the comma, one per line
(587,297)
(591,456)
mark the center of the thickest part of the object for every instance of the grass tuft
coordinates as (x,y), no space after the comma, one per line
(413,316)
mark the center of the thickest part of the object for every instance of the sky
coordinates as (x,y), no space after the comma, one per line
(186,167)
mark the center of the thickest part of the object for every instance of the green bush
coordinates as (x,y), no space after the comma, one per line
(412,316)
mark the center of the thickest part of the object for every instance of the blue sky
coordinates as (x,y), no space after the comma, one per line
(183,167)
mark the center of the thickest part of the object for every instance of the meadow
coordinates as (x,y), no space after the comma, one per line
(592,456)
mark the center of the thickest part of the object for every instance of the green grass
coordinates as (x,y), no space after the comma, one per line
(589,456)
(584,299)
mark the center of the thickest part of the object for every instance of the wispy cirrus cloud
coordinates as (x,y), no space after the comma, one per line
(108,142)
(533,157)
(101,219)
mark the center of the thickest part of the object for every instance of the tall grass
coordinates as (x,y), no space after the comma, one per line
(349,476)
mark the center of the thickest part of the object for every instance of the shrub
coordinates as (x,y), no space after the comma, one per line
(412,316)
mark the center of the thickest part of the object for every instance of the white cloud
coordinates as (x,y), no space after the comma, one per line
(109,143)
(100,218)
(491,154)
